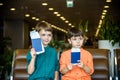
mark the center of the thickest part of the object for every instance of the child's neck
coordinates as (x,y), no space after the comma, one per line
(45,45)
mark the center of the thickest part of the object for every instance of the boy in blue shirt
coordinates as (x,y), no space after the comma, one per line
(43,66)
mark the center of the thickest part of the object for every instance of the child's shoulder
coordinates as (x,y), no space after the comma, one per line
(66,51)
(86,52)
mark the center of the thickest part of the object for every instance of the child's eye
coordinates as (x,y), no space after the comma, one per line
(81,38)
(42,34)
(50,35)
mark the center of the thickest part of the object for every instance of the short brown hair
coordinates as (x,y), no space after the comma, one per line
(43,25)
(75,32)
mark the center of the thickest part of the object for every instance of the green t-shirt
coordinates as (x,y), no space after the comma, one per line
(45,65)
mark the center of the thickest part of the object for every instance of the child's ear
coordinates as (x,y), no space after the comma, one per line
(69,41)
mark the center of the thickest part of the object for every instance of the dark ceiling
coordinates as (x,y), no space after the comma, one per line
(83,10)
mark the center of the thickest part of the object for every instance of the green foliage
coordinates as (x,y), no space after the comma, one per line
(6,54)
(83,27)
(110,30)
(58,45)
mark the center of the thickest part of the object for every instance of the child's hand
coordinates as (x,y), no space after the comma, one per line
(33,53)
(80,64)
(69,66)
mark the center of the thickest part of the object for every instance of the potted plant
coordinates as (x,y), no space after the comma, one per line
(6,54)
(110,31)
(109,37)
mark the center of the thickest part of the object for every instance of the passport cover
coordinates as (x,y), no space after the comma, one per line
(75,55)
(36,42)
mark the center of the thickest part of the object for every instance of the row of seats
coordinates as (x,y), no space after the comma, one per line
(19,71)
(100,58)
(101,64)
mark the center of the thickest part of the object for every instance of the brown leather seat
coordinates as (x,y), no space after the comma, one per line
(19,66)
(101,64)
(117,64)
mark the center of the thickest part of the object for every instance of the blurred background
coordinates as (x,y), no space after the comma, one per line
(19,17)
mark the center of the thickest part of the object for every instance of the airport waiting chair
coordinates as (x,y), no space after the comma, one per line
(19,63)
(101,64)
(117,64)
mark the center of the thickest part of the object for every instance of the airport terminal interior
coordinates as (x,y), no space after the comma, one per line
(19,17)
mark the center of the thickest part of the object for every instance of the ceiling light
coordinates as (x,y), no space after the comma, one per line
(1,4)
(62,18)
(27,15)
(12,9)
(33,17)
(72,26)
(105,11)
(106,6)
(37,19)
(100,22)
(102,16)
(97,32)
(55,12)
(69,24)
(44,4)
(108,0)
(66,21)
(51,9)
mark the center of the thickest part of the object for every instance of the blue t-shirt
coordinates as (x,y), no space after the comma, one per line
(45,65)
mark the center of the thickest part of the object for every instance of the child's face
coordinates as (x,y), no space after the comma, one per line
(45,36)
(76,42)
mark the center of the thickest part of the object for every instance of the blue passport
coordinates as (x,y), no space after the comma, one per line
(37,45)
(75,56)
(36,42)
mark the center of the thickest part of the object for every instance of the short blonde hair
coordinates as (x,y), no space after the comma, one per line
(43,25)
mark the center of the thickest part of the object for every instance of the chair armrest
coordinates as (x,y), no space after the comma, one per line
(12,68)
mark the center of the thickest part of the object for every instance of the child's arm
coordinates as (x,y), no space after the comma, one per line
(84,67)
(66,69)
(32,62)
(56,75)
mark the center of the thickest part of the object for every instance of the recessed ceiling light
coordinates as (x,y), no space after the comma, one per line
(33,17)
(105,11)
(12,9)
(72,26)
(44,4)
(51,9)
(62,18)
(100,22)
(27,15)
(106,6)
(37,19)
(108,0)
(1,4)
(69,24)
(102,16)
(55,12)
(66,21)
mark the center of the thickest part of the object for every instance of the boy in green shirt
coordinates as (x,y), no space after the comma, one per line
(43,66)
